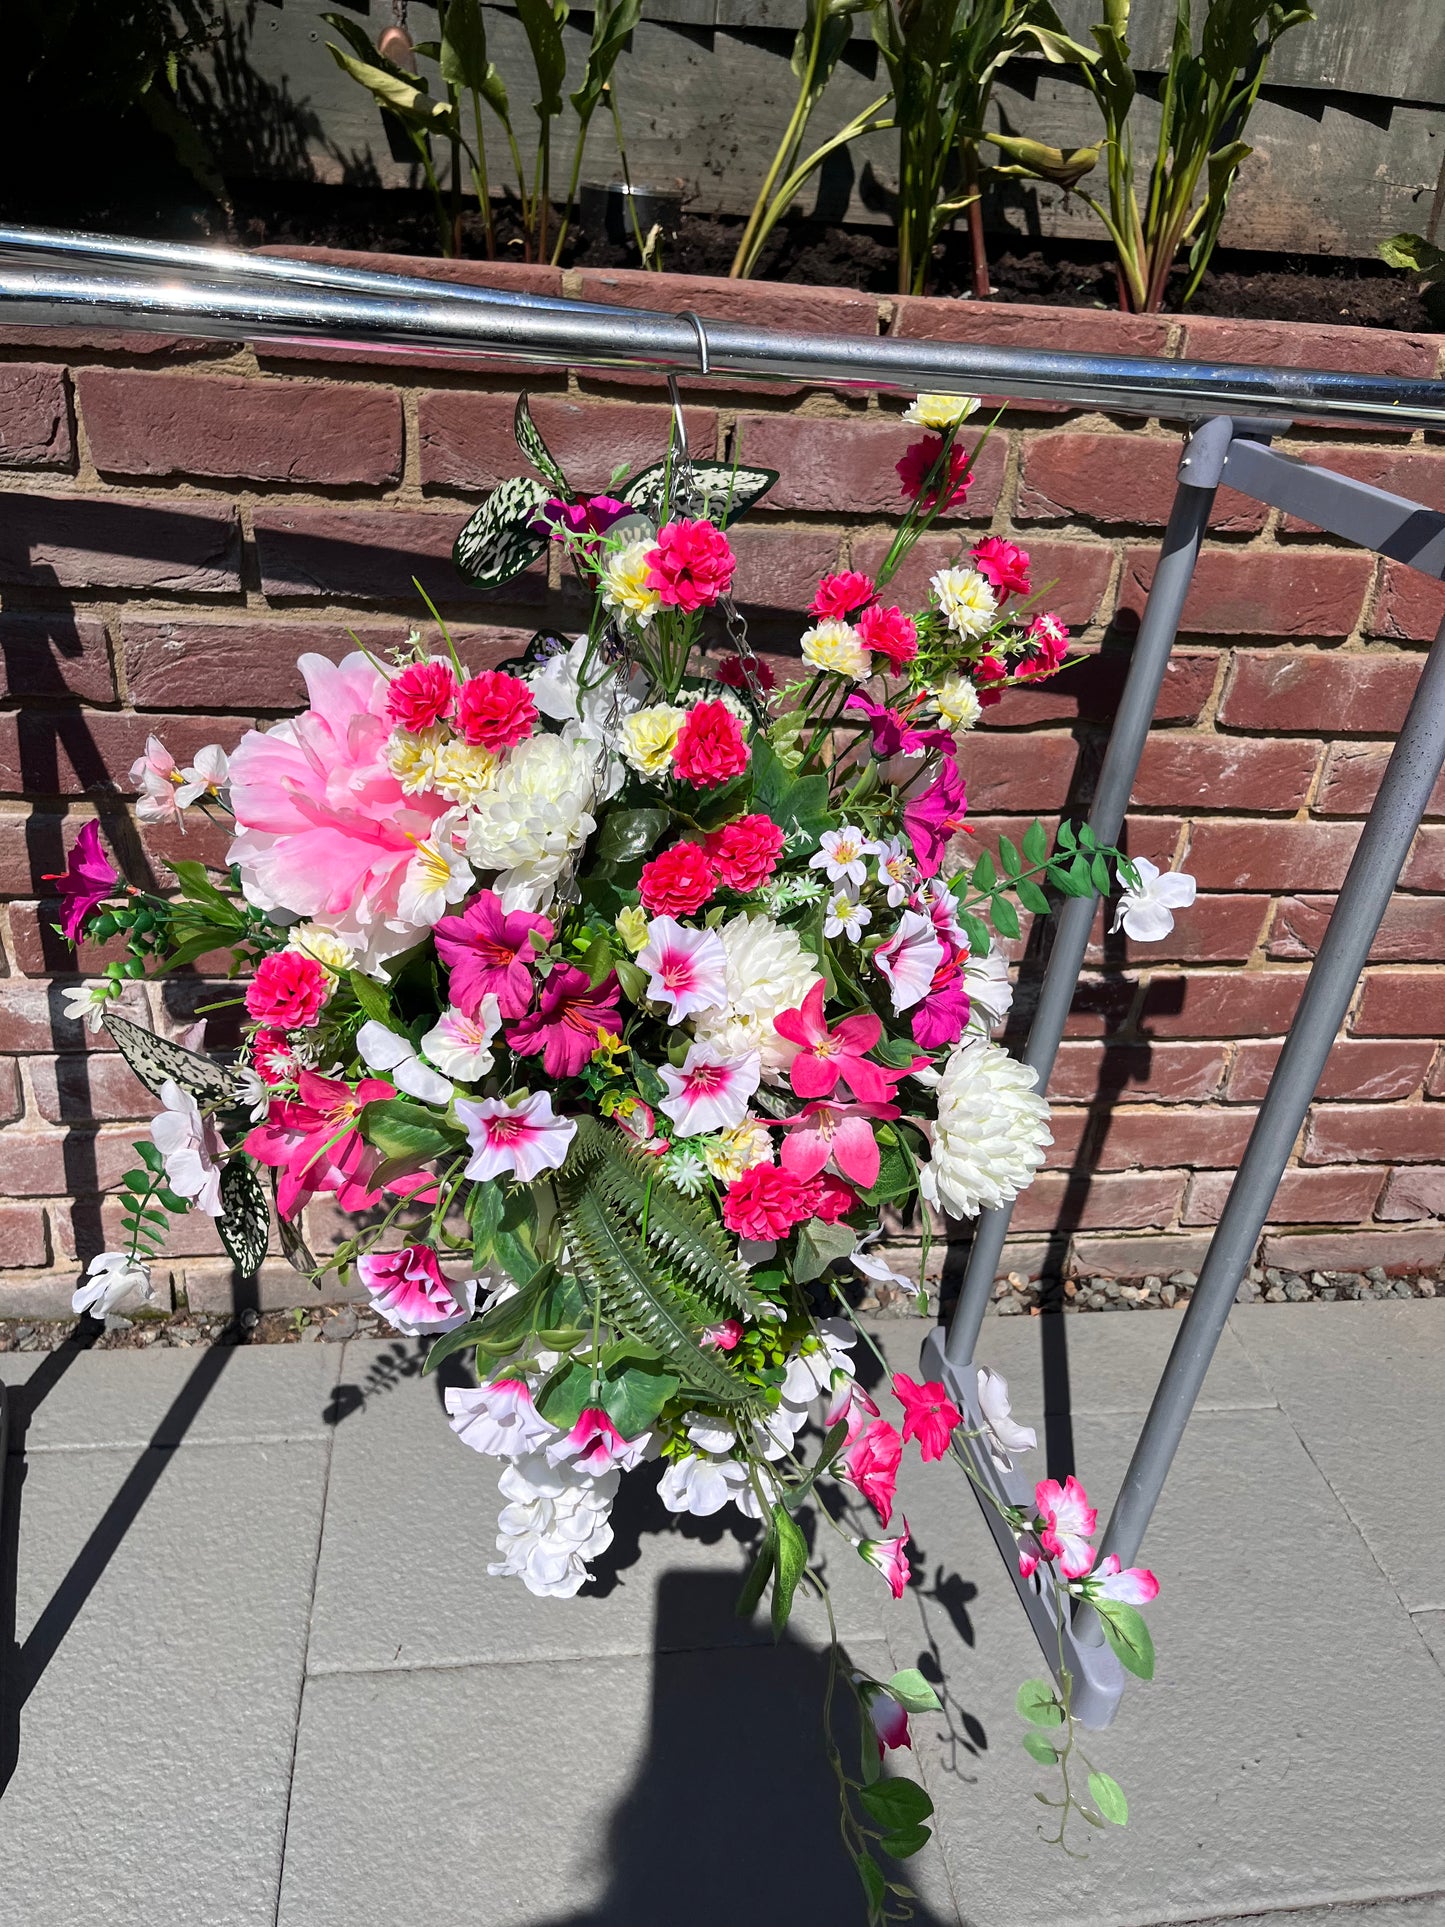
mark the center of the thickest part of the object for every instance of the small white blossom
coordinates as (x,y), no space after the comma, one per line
(87,1002)
(1147,914)
(189,1146)
(841,852)
(110,1279)
(845,916)
(940,411)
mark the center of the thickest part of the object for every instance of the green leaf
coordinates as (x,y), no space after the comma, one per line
(156,1059)
(198,888)
(1005,917)
(896,1803)
(906,1841)
(564,1392)
(633,1398)
(463,52)
(499,541)
(871,1874)
(1126,1631)
(913,1692)
(1066,835)
(985,876)
(244,1226)
(1032,897)
(1108,1796)
(1099,871)
(758,1577)
(633,979)
(1036,845)
(1009,859)
(404,97)
(797,804)
(792,1560)
(1038,1702)
(401,1128)
(543,28)
(625,835)
(1038,1748)
(535,450)
(727,491)
(371,997)
(820,1245)
(610,27)
(976,930)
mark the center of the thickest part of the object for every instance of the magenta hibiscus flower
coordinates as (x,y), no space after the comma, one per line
(565,1025)
(489,948)
(86,883)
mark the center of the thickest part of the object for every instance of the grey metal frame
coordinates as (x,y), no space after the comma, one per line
(52,279)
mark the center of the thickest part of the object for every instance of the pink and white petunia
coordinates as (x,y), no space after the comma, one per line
(594,1445)
(521,1137)
(910,959)
(687,968)
(190,1148)
(1002,1433)
(1066,1519)
(409,1291)
(871,1464)
(710,1092)
(1133,1586)
(701,1484)
(889,1557)
(461,1046)
(498,1419)
(384,1049)
(890,1721)
(841,854)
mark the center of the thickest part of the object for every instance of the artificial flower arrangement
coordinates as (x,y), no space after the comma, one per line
(645,987)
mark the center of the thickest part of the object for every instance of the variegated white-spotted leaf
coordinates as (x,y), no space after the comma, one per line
(535,450)
(293,1246)
(154,1059)
(499,541)
(245,1221)
(726,492)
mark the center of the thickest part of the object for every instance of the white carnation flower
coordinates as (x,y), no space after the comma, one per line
(767,970)
(837,646)
(967,600)
(958,703)
(557,1520)
(535,817)
(941,411)
(991,1133)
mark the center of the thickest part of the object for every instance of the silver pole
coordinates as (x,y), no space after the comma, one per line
(1188,519)
(1411,774)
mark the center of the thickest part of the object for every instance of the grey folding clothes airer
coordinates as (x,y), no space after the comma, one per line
(54,280)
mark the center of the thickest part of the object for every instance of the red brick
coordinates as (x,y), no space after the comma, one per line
(1089,691)
(1413,930)
(1309,689)
(1221,1003)
(1100,1007)
(1401,1251)
(467,440)
(59,1163)
(1137,1257)
(309,432)
(1425,866)
(1211,930)
(12,1101)
(99,542)
(1303,1197)
(1355,1070)
(828,464)
(72,1090)
(1401,1003)
(32,1018)
(511,277)
(779,568)
(1409,607)
(1417,474)
(1071,577)
(22,1235)
(1128,1202)
(1005,324)
(1138,1073)
(1243,855)
(368,554)
(34,417)
(1261,592)
(1388,1133)
(1024,773)
(1418,1193)
(77,1233)
(1191,773)
(55,653)
(1352,776)
(1297,344)
(1142,1140)
(1125,481)
(67,752)
(750,304)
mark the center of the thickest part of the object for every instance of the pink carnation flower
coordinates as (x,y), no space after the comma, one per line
(1048,639)
(495,710)
(710,747)
(421,695)
(871,1464)
(929,1415)
(678,882)
(766,1202)
(917,464)
(692,565)
(841,596)
(1005,564)
(566,1023)
(890,633)
(745,853)
(288,991)
(272,1057)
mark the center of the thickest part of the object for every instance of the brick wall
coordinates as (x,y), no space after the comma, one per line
(179,520)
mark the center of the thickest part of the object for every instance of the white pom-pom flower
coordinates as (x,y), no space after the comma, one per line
(991,1134)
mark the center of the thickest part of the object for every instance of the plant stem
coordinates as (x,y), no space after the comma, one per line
(479,178)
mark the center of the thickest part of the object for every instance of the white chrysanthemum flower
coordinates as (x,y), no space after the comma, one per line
(967,600)
(648,736)
(533,819)
(738,1149)
(624,583)
(940,411)
(767,970)
(412,756)
(991,1134)
(958,703)
(836,645)
(334,954)
(464,772)
(557,1520)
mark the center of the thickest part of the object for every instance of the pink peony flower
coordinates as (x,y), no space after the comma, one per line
(826,1132)
(86,882)
(1134,1586)
(313,1141)
(520,1138)
(495,710)
(871,1464)
(890,633)
(595,1446)
(1005,564)
(691,567)
(933,819)
(678,882)
(1066,1520)
(566,1023)
(325,829)
(910,959)
(890,1559)
(990,675)
(487,948)
(709,1093)
(288,991)
(409,1291)
(1048,639)
(929,1414)
(710,747)
(744,853)
(687,968)
(765,1203)
(422,694)
(826,1056)
(917,464)
(841,596)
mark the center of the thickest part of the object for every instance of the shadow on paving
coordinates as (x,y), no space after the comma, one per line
(732,1817)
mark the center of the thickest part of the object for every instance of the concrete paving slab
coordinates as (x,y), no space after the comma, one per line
(411,1527)
(1264,1763)
(199,1395)
(154,1751)
(1431,1628)
(1362,1386)
(607,1792)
